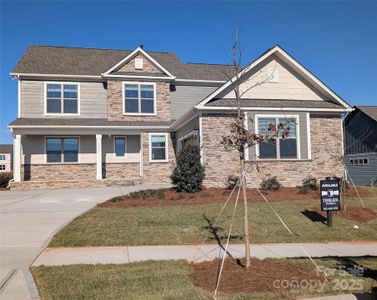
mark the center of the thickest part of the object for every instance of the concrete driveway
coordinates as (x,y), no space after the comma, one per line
(28,220)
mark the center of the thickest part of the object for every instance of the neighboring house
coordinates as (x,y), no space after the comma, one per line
(90,117)
(361,145)
(5,158)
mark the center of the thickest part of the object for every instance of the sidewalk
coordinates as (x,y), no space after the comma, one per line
(197,253)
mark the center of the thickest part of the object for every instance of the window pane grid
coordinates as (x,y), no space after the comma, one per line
(158,147)
(62,98)
(139,98)
(282,147)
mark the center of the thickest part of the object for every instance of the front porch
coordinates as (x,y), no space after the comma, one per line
(88,160)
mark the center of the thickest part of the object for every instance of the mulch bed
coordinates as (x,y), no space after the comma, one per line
(215,195)
(260,277)
(353,213)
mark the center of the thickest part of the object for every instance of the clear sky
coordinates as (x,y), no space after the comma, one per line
(337,41)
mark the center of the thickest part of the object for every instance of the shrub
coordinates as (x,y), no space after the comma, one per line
(188,173)
(270,184)
(231,182)
(148,194)
(310,183)
(4,179)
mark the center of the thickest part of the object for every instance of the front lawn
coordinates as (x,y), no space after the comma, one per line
(192,224)
(172,280)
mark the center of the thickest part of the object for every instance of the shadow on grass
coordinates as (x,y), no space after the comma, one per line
(214,230)
(314,216)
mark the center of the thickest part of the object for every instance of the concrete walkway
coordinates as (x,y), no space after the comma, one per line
(197,253)
(28,219)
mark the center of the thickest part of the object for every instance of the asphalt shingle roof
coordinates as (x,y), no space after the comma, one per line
(6,148)
(370,111)
(92,61)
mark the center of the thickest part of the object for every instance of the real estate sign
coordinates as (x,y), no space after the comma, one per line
(330,195)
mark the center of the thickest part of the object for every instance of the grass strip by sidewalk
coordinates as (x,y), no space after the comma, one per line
(170,280)
(191,224)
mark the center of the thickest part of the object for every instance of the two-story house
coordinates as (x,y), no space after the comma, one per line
(91,117)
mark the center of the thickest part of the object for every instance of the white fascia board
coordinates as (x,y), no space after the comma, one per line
(209,108)
(178,80)
(136,77)
(187,117)
(56,75)
(290,60)
(86,127)
(131,55)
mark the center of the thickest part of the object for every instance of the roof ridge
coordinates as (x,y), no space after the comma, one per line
(200,63)
(94,48)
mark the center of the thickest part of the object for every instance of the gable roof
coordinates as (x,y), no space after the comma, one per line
(282,54)
(55,60)
(370,111)
(137,51)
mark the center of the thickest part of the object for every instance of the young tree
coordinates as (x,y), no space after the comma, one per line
(239,137)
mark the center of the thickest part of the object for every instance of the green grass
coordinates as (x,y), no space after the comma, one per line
(165,280)
(171,225)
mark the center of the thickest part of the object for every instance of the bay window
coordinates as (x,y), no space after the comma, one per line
(60,150)
(283,146)
(139,98)
(62,98)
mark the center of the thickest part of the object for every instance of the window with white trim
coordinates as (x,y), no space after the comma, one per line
(2,156)
(62,98)
(62,150)
(283,146)
(158,147)
(120,146)
(139,98)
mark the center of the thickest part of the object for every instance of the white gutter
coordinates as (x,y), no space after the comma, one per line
(85,127)
(199,81)
(55,75)
(136,77)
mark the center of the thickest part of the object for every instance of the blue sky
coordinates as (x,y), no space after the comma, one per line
(337,40)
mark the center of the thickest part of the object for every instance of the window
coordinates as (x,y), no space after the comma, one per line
(62,98)
(120,146)
(359,161)
(139,98)
(158,147)
(62,150)
(2,157)
(2,167)
(278,147)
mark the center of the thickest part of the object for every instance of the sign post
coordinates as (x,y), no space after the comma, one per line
(330,197)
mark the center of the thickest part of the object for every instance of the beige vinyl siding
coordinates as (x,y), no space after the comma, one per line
(302,126)
(184,97)
(291,86)
(132,149)
(93,100)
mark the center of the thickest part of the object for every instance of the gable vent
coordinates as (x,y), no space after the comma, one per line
(139,63)
(273,74)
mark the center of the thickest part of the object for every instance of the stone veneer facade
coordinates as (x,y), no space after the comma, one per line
(115,104)
(326,149)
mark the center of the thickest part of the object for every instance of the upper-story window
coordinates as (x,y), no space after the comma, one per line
(139,98)
(279,147)
(62,98)
(2,157)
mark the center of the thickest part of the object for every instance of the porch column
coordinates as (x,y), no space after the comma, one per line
(17,158)
(99,155)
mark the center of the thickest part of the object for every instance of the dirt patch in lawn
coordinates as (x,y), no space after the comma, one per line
(167,197)
(353,213)
(262,276)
